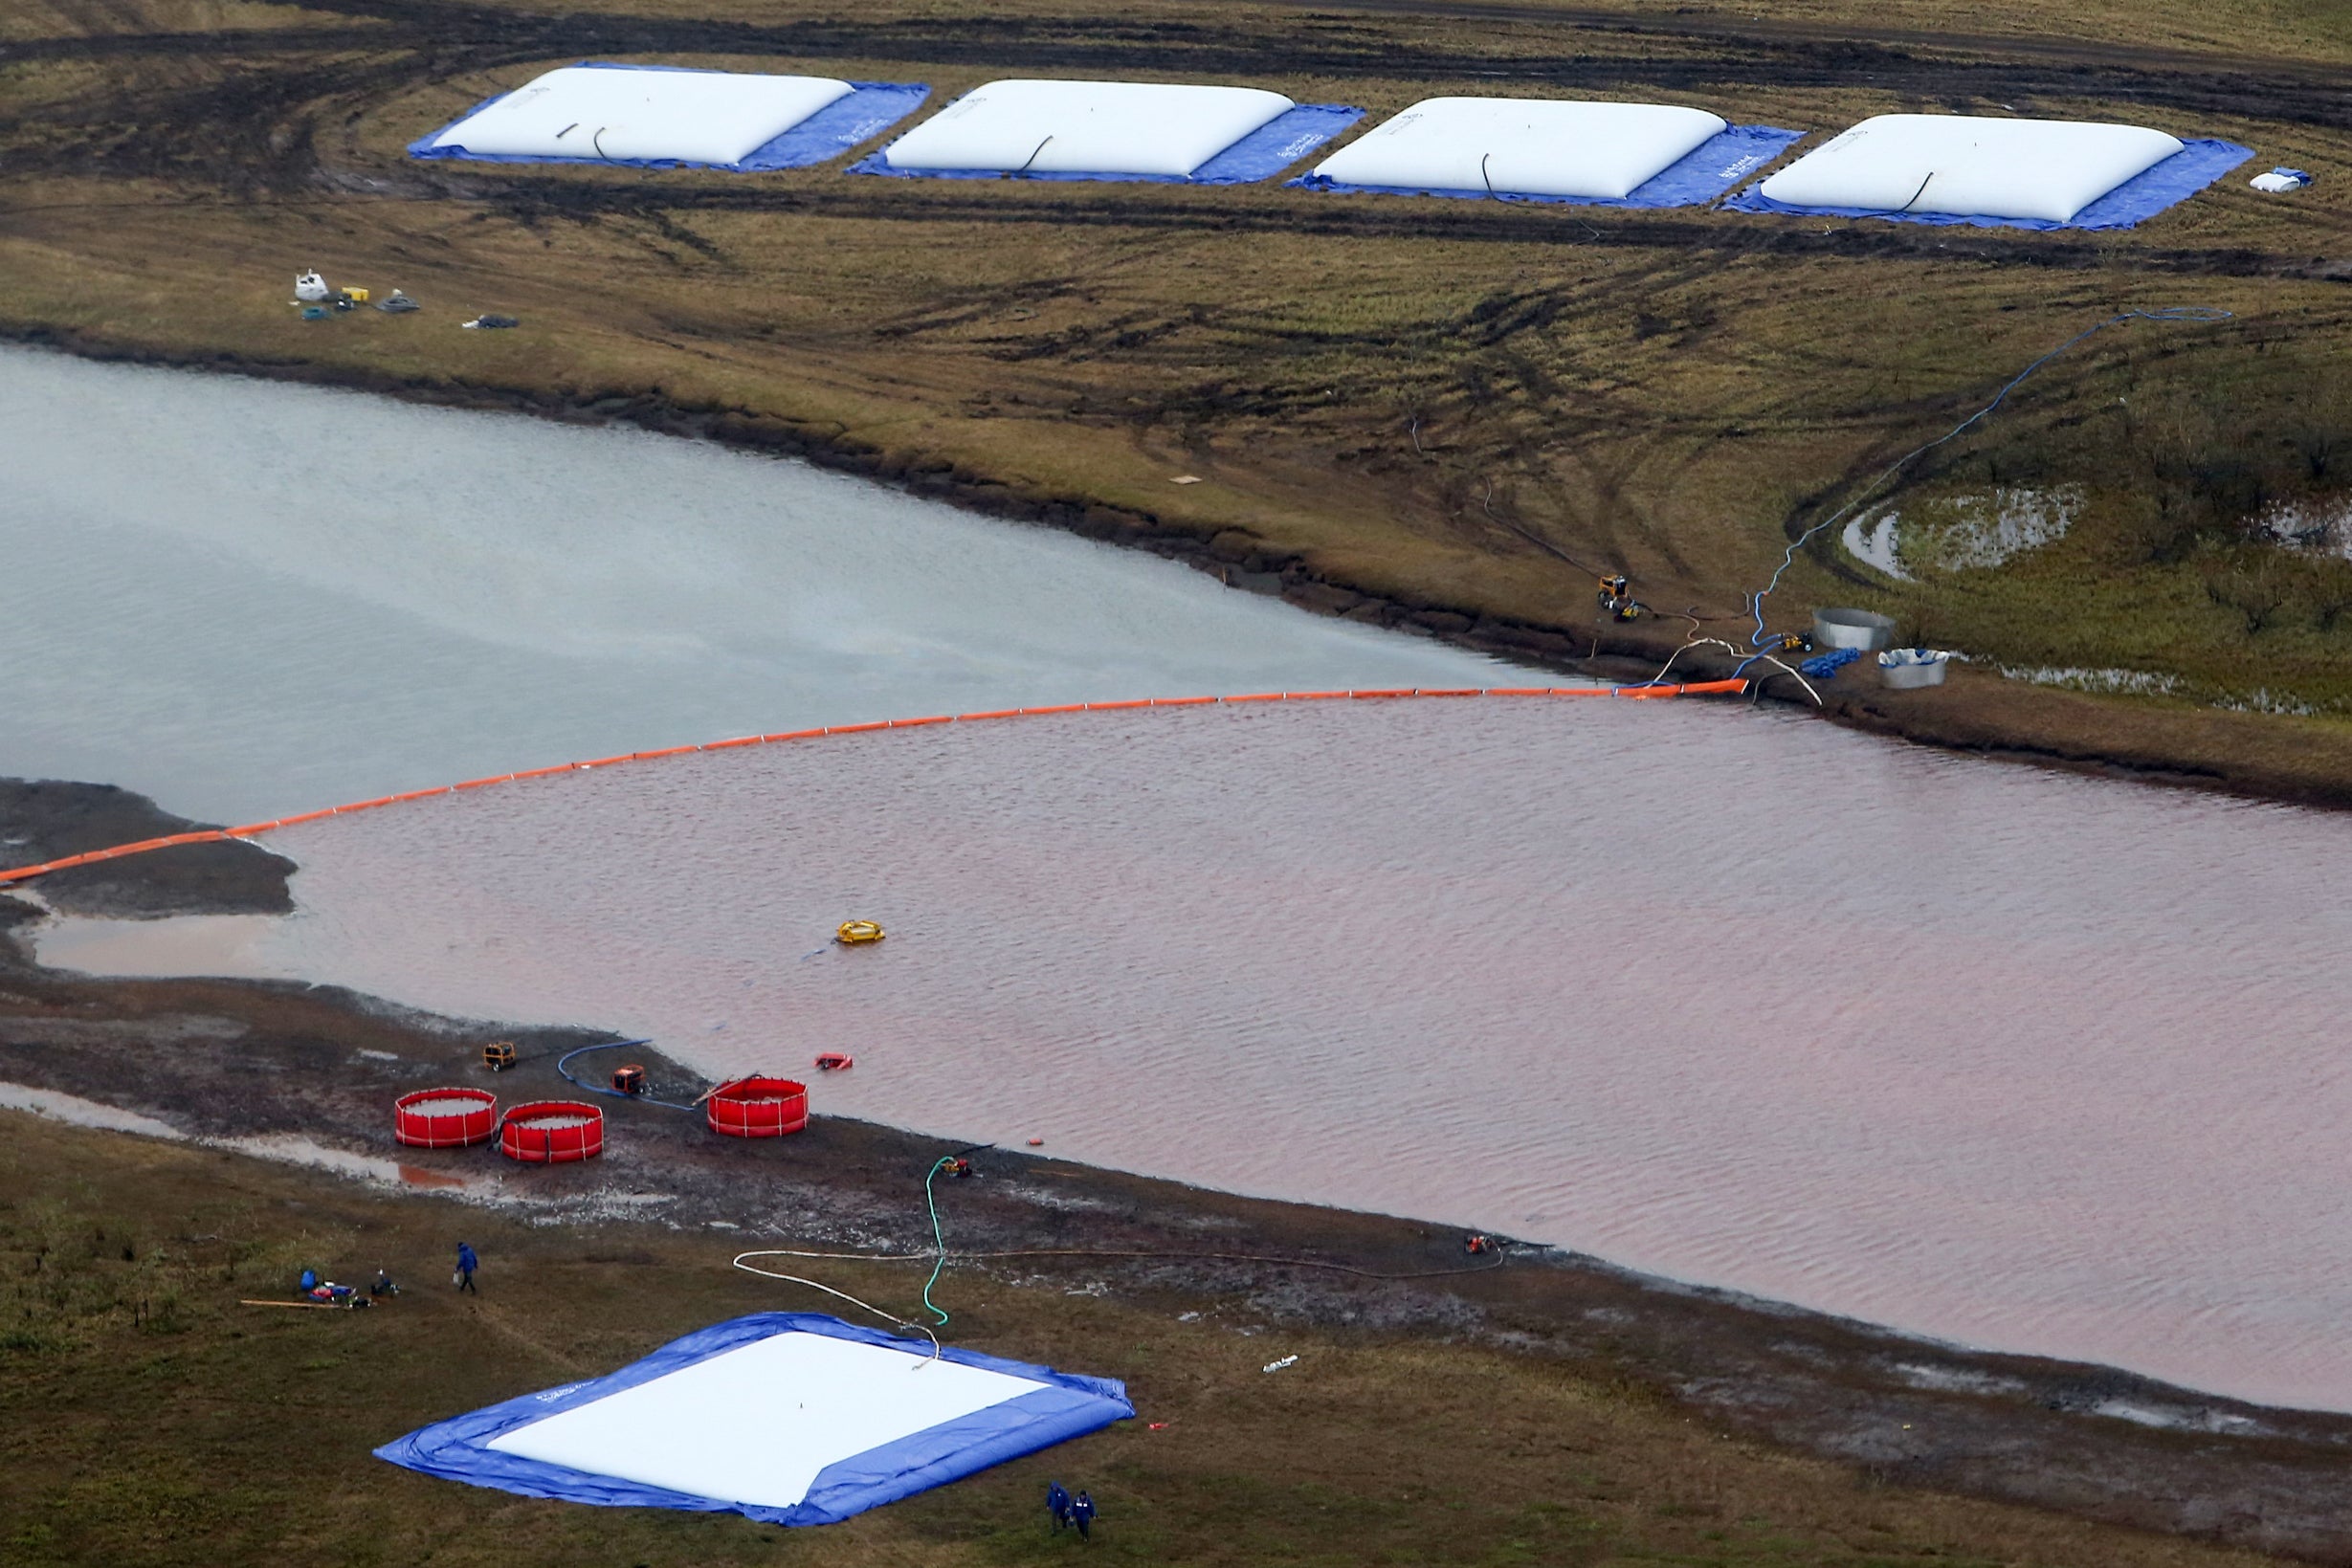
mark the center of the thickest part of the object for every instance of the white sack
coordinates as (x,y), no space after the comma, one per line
(1529,146)
(1086,127)
(1965,164)
(695,117)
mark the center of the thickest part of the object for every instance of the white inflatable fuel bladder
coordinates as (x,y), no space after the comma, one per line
(1967,166)
(1085,127)
(687,116)
(1523,147)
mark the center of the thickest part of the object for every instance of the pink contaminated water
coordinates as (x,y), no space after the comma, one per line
(2023,1060)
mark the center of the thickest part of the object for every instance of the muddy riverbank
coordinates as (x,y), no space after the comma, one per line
(2257,755)
(307,1074)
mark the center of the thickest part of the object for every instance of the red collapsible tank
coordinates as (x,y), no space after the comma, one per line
(444,1118)
(758,1108)
(552,1131)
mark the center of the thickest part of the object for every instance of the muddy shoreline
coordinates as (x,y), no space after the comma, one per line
(1977,712)
(307,1074)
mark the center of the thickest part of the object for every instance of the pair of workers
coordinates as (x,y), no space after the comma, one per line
(381,1286)
(326,1290)
(1078,1510)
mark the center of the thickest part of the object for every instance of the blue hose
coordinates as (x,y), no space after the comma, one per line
(2182,313)
(1822,666)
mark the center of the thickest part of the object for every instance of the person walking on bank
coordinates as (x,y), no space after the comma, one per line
(467,1263)
(1057,1503)
(1082,1514)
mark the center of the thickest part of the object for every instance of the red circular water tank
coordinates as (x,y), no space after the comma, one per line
(444,1118)
(552,1131)
(758,1108)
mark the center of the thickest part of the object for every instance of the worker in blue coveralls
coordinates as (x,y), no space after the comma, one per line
(467,1263)
(1082,1514)
(1057,1503)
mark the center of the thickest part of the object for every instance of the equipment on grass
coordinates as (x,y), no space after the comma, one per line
(1617,599)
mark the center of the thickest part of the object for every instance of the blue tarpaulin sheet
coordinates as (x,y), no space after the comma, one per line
(1263,153)
(1717,165)
(1069,1406)
(2197,165)
(867,110)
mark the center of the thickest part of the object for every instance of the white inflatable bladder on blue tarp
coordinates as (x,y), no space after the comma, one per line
(759,1422)
(2049,170)
(794,1418)
(1086,127)
(1524,147)
(690,117)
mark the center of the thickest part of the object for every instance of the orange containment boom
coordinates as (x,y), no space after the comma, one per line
(253,830)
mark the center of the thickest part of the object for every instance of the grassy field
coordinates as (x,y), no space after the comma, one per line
(146,1418)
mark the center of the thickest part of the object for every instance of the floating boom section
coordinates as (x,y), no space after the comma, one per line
(1523,147)
(791,1418)
(1962,165)
(1099,130)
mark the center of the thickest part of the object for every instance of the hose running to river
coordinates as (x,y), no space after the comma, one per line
(937,1257)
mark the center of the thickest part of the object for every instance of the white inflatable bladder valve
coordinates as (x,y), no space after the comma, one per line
(1085,127)
(1968,166)
(692,116)
(1523,147)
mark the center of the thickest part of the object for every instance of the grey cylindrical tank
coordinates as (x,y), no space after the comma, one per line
(1857,629)
(1913,667)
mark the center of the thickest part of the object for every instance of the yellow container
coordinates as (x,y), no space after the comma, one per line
(359,296)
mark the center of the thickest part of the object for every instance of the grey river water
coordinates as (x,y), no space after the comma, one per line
(250,600)
(2028,1061)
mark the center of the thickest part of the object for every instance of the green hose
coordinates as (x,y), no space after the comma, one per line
(938,1165)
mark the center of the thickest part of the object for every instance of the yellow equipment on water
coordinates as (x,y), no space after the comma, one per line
(858,933)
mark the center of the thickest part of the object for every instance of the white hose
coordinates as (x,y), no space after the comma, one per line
(797,1279)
